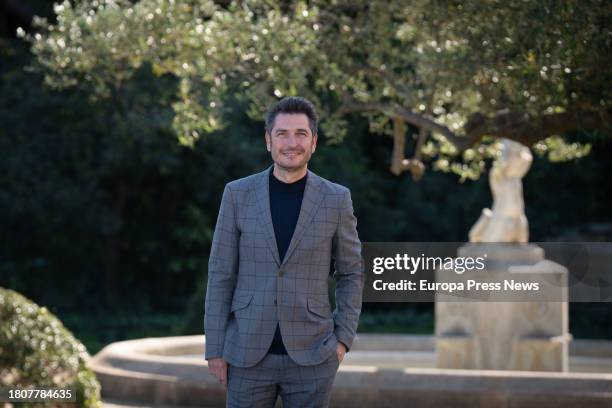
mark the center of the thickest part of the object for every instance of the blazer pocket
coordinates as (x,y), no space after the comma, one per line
(240,302)
(319,308)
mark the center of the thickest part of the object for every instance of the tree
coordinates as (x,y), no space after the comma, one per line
(460,74)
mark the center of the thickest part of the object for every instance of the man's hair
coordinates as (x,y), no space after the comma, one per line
(293,104)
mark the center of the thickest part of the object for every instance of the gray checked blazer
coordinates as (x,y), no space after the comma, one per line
(250,289)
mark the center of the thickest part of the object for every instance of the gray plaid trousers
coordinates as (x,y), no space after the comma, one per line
(276,374)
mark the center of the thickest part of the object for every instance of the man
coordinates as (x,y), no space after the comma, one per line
(269,325)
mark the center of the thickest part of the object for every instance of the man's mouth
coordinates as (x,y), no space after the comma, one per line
(292,154)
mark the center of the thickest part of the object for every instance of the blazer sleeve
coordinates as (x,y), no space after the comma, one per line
(222,271)
(349,274)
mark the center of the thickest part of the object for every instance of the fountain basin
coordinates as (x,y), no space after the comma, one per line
(380,370)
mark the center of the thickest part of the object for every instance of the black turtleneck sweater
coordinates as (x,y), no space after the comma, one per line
(285,205)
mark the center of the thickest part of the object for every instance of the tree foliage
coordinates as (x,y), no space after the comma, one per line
(461,74)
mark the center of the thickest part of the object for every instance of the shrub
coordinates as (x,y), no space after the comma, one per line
(36,350)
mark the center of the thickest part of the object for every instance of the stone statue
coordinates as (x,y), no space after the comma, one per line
(506,222)
(505,335)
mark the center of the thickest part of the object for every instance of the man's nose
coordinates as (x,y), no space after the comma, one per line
(292,140)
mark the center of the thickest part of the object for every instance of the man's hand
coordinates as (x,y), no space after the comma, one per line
(218,368)
(340,351)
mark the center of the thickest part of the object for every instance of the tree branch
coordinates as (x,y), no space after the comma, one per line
(527,130)
(399,163)
(416,119)
(511,125)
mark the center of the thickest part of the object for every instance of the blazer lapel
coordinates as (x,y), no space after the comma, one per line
(264,216)
(310,205)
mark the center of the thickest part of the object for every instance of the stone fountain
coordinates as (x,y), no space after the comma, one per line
(508,335)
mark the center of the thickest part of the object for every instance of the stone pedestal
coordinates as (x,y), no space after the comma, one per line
(531,336)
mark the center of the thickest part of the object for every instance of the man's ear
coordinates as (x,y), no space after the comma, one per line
(267,137)
(314,142)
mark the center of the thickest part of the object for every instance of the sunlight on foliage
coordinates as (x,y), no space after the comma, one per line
(446,61)
(558,150)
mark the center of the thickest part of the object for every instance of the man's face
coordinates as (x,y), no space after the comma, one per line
(291,142)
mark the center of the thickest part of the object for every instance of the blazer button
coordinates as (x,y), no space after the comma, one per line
(280,273)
